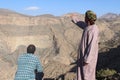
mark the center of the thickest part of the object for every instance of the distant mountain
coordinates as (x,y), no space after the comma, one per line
(110,16)
(46,15)
(56,38)
(9,12)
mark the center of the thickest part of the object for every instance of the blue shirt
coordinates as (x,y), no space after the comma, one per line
(27,63)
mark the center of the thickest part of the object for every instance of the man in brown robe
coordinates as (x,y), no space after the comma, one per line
(88,49)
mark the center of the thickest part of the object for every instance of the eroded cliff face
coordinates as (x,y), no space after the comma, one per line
(56,39)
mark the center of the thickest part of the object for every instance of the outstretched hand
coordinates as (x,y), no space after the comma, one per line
(74,17)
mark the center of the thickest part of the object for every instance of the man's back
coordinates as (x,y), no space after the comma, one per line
(27,63)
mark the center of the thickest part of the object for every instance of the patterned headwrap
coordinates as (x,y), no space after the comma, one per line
(91,15)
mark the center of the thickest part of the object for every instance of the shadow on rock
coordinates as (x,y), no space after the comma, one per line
(109,59)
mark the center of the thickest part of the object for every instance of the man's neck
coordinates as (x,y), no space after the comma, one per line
(88,24)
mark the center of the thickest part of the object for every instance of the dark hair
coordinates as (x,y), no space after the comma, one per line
(31,48)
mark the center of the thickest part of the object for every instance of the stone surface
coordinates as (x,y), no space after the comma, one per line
(56,39)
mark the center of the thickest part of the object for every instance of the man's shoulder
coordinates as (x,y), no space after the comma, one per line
(31,55)
(28,55)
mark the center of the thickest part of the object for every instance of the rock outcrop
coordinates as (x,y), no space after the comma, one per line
(56,39)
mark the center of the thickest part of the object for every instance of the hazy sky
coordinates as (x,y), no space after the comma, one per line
(60,7)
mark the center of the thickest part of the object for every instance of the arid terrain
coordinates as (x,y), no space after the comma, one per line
(56,39)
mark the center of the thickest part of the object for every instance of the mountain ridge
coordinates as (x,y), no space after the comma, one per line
(56,39)
(14,12)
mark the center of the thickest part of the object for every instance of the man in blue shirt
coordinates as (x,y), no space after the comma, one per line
(27,64)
